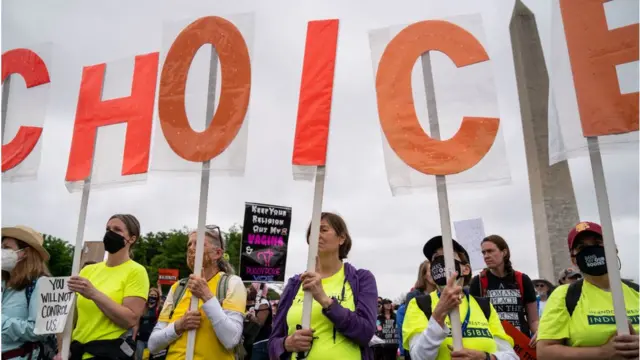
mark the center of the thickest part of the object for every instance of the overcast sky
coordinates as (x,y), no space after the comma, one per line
(388,232)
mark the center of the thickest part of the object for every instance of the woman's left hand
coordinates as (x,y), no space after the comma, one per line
(312,282)
(199,288)
(466,354)
(82,286)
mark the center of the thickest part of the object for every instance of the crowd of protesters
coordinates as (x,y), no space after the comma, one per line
(119,316)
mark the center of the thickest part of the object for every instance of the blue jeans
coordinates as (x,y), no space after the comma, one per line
(140,346)
(260,351)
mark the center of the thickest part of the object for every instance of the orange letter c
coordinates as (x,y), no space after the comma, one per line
(396,107)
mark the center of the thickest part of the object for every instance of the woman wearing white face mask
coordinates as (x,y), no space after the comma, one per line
(23,262)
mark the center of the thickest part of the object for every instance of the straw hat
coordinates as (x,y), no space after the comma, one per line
(28,236)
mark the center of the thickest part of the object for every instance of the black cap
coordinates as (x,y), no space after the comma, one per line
(435,243)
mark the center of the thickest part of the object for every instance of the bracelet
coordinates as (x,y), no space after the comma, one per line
(488,357)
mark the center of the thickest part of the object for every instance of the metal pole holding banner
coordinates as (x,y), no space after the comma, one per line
(602,198)
(316,215)
(6,85)
(75,268)
(204,196)
(443,198)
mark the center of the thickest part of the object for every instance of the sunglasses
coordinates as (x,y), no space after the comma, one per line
(214,232)
(540,285)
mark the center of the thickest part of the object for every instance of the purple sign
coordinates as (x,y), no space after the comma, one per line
(265,236)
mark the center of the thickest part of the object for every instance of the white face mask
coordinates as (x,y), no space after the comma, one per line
(9,259)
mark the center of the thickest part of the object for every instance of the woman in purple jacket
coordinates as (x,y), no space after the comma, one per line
(343,315)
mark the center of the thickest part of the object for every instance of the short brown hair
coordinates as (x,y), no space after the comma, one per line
(131,223)
(27,270)
(340,227)
(133,228)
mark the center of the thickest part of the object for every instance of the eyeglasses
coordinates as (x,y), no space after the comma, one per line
(540,285)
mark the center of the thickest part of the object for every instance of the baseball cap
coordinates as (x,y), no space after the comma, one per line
(435,243)
(568,273)
(585,226)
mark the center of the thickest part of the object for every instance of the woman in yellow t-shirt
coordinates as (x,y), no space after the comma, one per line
(425,330)
(343,314)
(578,321)
(218,325)
(111,295)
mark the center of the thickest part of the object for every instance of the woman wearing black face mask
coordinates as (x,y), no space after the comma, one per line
(426,324)
(147,322)
(112,296)
(578,320)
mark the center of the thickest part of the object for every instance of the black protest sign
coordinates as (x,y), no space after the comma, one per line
(386,329)
(265,236)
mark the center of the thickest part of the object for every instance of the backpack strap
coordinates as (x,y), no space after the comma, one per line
(632,285)
(178,293)
(223,286)
(573,295)
(485,305)
(484,283)
(518,276)
(28,291)
(424,303)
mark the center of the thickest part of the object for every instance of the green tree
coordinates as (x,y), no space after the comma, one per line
(233,242)
(60,255)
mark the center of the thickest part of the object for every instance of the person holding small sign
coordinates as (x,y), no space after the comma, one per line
(112,296)
(343,314)
(23,263)
(578,321)
(426,328)
(386,331)
(220,315)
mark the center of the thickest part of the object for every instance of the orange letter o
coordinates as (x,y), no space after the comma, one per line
(234,95)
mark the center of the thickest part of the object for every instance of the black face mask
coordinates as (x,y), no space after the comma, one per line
(591,260)
(438,270)
(113,242)
(153,300)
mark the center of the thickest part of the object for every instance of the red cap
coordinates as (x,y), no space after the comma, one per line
(582,227)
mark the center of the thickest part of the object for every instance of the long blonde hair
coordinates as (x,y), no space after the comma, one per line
(423,283)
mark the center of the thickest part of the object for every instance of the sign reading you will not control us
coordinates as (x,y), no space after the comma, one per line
(54,302)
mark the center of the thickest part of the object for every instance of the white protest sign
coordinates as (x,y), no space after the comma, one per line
(469,233)
(54,302)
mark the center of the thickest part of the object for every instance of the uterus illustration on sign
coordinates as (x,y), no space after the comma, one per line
(264,256)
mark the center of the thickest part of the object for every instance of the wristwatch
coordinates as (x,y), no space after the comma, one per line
(488,356)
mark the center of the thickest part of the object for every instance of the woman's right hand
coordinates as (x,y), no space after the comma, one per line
(299,341)
(449,300)
(189,321)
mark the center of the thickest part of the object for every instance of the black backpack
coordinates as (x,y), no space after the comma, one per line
(575,290)
(49,346)
(424,303)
